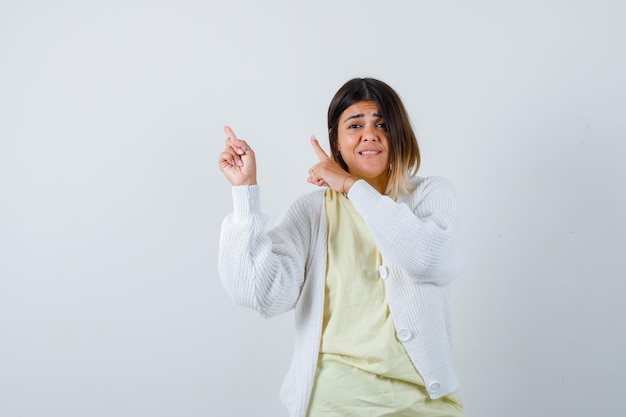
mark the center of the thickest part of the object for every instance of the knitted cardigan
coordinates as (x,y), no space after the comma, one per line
(284,268)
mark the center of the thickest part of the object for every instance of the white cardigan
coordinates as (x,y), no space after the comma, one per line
(284,268)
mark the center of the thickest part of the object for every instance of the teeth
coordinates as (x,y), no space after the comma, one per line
(369,152)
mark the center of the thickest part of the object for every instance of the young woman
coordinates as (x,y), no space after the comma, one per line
(365,261)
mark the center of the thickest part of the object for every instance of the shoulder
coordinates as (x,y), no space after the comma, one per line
(434,197)
(310,204)
(435,186)
(316,195)
(311,200)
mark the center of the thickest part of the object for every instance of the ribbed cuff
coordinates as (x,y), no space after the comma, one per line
(440,383)
(363,195)
(246,200)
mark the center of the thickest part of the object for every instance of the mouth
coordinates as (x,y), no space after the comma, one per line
(369,152)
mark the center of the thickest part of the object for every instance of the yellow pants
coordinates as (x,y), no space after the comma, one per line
(341,390)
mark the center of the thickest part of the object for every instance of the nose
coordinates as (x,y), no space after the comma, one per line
(369,133)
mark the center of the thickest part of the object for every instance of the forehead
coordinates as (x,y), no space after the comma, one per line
(366,108)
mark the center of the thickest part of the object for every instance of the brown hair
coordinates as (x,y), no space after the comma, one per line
(405,155)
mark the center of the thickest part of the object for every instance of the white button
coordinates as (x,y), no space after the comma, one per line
(434,387)
(383,272)
(404,335)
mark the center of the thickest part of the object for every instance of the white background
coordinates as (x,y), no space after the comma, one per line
(111,199)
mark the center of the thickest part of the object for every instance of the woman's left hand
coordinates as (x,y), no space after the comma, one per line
(329,173)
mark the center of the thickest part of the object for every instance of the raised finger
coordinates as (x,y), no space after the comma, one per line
(240,146)
(230,133)
(318,150)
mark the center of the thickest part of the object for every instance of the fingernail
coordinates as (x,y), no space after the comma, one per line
(240,151)
(240,163)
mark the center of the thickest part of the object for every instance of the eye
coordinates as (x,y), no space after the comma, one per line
(381,125)
(354,126)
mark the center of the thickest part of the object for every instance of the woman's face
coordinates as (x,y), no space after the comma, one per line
(363,143)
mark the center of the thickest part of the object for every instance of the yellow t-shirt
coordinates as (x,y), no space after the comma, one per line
(358,329)
(363,369)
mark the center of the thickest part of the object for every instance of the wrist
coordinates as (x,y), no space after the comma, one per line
(248,181)
(348,182)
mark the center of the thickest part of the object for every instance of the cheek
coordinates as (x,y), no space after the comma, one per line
(353,140)
(345,143)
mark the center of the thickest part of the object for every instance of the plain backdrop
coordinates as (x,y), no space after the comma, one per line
(111,116)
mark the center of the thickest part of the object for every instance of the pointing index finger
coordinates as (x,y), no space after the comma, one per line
(318,149)
(229,132)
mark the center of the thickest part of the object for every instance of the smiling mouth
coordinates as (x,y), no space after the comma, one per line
(369,153)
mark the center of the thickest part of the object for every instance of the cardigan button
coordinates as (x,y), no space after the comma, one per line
(383,272)
(404,335)
(434,387)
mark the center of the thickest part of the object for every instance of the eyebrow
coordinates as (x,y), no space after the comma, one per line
(358,116)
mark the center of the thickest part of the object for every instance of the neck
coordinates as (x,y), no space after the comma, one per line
(380,184)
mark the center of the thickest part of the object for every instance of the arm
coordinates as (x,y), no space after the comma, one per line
(260,270)
(419,235)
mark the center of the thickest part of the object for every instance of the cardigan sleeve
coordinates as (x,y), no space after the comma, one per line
(420,233)
(263,270)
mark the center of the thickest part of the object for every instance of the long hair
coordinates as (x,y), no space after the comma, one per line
(405,154)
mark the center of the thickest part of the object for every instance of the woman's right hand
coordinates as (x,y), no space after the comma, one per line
(238,162)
